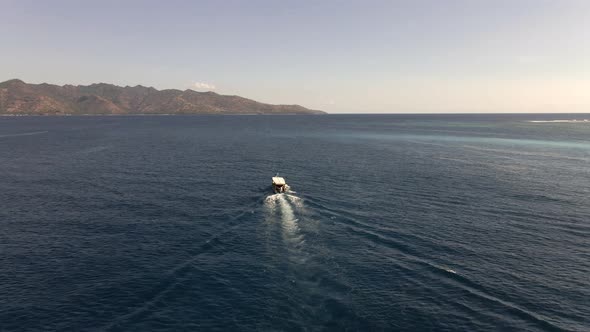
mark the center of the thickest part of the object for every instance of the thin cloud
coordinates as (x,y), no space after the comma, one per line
(528,59)
(202,86)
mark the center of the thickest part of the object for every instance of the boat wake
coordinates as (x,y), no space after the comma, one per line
(280,208)
(562,121)
(24,134)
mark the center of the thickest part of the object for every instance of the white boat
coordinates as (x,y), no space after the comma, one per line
(278,184)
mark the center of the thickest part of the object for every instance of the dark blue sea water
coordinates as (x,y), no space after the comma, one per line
(395,222)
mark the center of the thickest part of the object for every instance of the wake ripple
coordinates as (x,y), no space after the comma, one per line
(176,276)
(24,134)
(283,204)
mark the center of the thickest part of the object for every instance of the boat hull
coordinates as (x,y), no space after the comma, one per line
(278,189)
(279,185)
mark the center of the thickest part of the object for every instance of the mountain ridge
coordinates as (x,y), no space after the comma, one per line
(20,98)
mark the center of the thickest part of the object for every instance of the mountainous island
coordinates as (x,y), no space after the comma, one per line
(20,98)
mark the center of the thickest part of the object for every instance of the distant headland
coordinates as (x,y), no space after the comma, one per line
(20,98)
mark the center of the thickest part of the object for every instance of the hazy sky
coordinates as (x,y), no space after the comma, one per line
(338,56)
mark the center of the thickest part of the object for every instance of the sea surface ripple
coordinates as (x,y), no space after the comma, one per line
(393,222)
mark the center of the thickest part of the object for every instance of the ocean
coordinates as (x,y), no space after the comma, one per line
(393,222)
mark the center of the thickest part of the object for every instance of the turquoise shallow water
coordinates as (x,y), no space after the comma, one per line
(394,222)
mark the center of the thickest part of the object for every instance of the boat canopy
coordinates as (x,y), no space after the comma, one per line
(278,181)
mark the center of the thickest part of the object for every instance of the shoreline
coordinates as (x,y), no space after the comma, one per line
(155,114)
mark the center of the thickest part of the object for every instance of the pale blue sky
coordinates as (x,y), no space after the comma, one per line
(338,56)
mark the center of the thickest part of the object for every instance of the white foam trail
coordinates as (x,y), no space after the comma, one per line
(270,219)
(296,201)
(24,134)
(289,222)
(561,121)
(304,213)
(278,208)
(271,200)
(270,207)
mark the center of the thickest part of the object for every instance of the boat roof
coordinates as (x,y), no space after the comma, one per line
(278,180)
